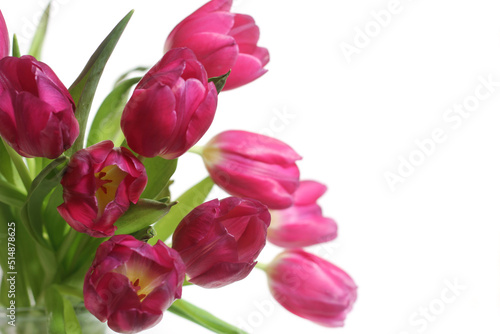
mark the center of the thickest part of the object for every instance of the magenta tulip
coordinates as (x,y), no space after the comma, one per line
(4,38)
(99,185)
(222,41)
(37,113)
(219,241)
(247,164)
(311,287)
(130,283)
(302,224)
(171,108)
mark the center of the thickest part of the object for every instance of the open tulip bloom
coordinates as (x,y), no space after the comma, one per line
(90,219)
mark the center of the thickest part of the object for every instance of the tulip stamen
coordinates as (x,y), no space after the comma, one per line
(107,181)
(137,288)
(101,183)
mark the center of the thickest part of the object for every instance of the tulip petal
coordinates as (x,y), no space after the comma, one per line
(214,6)
(303,233)
(164,74)
(254,146)
(246,69)
(216,22)
(247,178)
(36,110)
(217,52)
(152,111)
(171,108)
(35,120)
(309,192)
(128,288)
(220,240)
(8,129)
(246,33)
(4,38)
(222,274)
(319,291)
(98,186)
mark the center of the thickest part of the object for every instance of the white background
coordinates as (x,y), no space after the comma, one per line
(351,121)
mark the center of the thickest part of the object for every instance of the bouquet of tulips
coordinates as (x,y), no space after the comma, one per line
(92,219)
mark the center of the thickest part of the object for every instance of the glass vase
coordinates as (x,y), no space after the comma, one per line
(34,320)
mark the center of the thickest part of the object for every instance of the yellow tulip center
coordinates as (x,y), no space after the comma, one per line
(141,275)
(107,182)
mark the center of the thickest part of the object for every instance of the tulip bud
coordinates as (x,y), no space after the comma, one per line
(171,108)
(99,185)
(4,38)
(220,240)
(311,287)
(130,283)
(37,113)
(302,224)
(250,165)
(222,41)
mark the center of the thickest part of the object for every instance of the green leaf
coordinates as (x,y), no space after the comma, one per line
(6,168)
(19,164)
(145,234)
(42,185)
(15,47)
(220,81)
(60,312)
(159,172)
(56,226)
(10,195)
(201,317)
(106,124)
(39,37)
(71,324)
(187,202)
(146,212)
(122,77)
(54,304)
(84,87)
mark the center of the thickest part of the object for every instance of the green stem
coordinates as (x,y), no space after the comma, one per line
(40,162)
(262,266)
(186,282)
(68,241)
(70,291)
(20,166)
(31,162)
(197,149)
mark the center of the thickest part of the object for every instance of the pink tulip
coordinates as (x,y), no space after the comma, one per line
(247,164)
(220,240)
(171,108)
(311,287)
(4,38)
(130,283)
(37,113)
(302,224)
(222,41)
(99,185)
